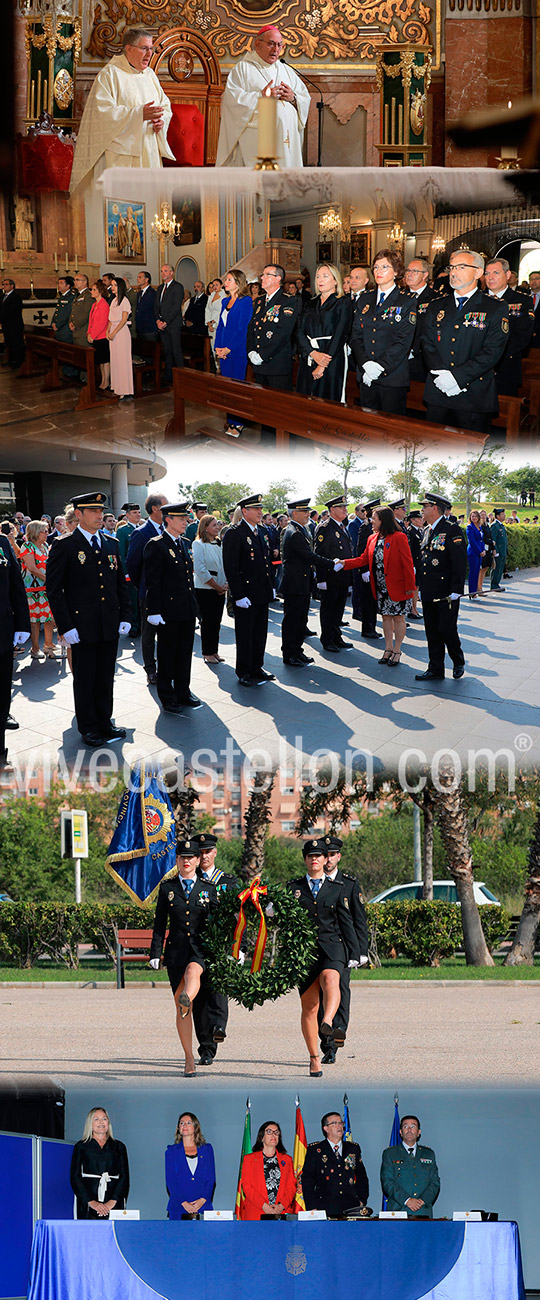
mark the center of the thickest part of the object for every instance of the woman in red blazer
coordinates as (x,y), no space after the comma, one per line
(391,573)
(268,1180)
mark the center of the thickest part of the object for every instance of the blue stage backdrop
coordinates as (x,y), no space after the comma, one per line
(16,1220)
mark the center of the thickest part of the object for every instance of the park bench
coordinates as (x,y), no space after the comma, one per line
(131,945)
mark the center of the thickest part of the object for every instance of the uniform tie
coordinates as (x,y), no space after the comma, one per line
(95,544)
(381,299)
(188,886)
(460,303)
(315,885)
(336,1151)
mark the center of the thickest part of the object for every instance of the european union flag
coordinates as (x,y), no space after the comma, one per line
(395,1139)
(347,1135)
(142,851)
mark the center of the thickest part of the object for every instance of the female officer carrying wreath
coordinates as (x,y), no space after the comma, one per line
(184,905)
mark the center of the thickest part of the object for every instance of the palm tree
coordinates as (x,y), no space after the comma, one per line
(256,818)
(452,818)
(522,950)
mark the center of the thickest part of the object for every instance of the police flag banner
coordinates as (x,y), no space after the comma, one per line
(347,1135)
(142,851)
(395,1139)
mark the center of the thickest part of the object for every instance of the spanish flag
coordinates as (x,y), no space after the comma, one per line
(246,1151)
(299,1155)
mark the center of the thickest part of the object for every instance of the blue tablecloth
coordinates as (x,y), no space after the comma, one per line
(397,1260)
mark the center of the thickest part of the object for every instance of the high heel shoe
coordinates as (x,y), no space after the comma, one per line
(314,1074)
(184,1005)
(474,596)
(394,659)
(386,657)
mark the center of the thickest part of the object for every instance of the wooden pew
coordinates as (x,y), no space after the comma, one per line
(151,354)
(509,416)
(300,416)
(42,346)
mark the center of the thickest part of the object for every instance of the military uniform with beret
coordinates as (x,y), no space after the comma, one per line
(443,557)
(87,590)
(210,1008)
(332,542)
(468,342)
(270,335)
(384,332)
(332,1182)
(185,912)
(168,576)
(249,574)
(404,1176)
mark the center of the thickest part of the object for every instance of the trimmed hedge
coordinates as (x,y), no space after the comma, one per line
(422,932)
(523,545)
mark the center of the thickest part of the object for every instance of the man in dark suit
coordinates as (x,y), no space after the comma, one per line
(11,320)
(332,542)
(409,1175)
(135,569)
(521,320)
(145,320)
(168,314)
(534,285)
(61,317)
(194,317)
(14,630)
(442,578)
(299,561)
(271,330)
(170,606)
(89,601)
(332,871)
(248,569)
(210,1008)
(334,1178)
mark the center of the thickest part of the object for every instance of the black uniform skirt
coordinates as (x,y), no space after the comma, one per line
(322,963)
(176,971)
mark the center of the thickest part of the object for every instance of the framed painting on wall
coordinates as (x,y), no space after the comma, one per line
(125,231)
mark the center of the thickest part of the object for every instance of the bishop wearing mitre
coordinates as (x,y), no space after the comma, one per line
(126,115)
(261,69)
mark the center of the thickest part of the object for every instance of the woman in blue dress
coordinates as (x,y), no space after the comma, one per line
(476,548)
(190,1172)
(231,335)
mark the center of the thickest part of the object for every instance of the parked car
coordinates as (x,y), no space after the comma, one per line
(443,891)
(5,898)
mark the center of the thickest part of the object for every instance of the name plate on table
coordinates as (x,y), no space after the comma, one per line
(393,1214)
(226,1215)
(125,1214)
(474,1216)
(312,1214)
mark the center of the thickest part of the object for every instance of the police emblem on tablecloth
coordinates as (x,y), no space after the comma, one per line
(295,1261)
(81,557)
(157,819)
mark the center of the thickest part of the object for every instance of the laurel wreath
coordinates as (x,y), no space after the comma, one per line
(291,949)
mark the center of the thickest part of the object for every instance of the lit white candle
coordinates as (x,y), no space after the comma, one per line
(267,134)
(67,263)
(56,261)
(509,150)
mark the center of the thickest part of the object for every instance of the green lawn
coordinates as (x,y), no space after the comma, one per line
(95,972)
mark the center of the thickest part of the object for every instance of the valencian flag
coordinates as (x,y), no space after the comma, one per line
(347,1136)
(246,1151)
(142,851)
(395,1139)
(299,1155)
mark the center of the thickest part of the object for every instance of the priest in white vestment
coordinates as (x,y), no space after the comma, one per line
(126,116)
(262,68)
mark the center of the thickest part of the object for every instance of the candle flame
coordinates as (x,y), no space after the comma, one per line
(509,103)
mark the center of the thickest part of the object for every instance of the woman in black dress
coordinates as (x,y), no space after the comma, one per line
(183,906)
(99,1168)
(323,333)
(327,903)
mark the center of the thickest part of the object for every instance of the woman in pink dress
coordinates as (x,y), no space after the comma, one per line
(119,336)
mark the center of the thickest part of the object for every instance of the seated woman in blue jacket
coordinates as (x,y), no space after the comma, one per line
(190,1172)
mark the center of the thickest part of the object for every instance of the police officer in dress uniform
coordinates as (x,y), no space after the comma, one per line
(358,917)
(248,570)
(170,606)
(409,1175)
(333,1177)
(89,600)
(14,630)
(442,579)
(464,337)
(521,322)
(211,1009)
(382,336)
(299,561)
(364,602)
(332,542)
(62,312)
(270,331)
(421,294)
(414,534)
(500,539)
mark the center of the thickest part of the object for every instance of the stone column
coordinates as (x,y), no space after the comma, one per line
(489,60)
(119,485)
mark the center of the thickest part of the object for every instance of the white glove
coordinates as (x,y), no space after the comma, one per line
(411,355)
(156,620)
(338,564)
(19,638)
(365,577)
(353,965)
(72,637)
(322,586)
(372,370)
(154,963)
(455,596)
(255,359)
(244,603)
(269,909)
(241,958)
(364,961)
(445,382)
(124,629)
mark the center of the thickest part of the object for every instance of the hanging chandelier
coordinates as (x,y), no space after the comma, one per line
(397,233)
(164,226)
(330,223)
(438,245)
(57,11)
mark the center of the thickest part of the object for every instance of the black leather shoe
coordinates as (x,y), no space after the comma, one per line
(458,672)
(171,708)
(11,723)
(151,678)
(263,676)
(416,617)
(497,589)
(344,645)
(115,733)
(344,623)
(296,662)
(329,1056)
(190,702)
(218,1034)
(306,659)
(309,632)
(326,1032)
(428,676)
(371,636)
(332,649)
(246,681)
(93,740)
(205,1057)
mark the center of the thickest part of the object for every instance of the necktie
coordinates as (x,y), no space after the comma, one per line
(460,303)
(381,299)
(95,544)
(188,886)
(336,1151)
(315,885)
(410,1151)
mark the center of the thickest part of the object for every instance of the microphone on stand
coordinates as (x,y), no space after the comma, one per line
(320,107)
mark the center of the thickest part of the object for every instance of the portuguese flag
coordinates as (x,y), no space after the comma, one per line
(246,1151)
(299,1155)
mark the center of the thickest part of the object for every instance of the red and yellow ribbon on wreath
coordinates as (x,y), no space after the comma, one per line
(251,894)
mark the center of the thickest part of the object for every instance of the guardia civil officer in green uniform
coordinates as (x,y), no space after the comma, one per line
(443,557)
(170,606)
(271,331)
(211,1008)
(298,563)
(332,542)
(351,885)
(409,1175)
(249,573)
(500,538)
(124,533)
(199,509)
(334,1177)
(90,604)
(62,313)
